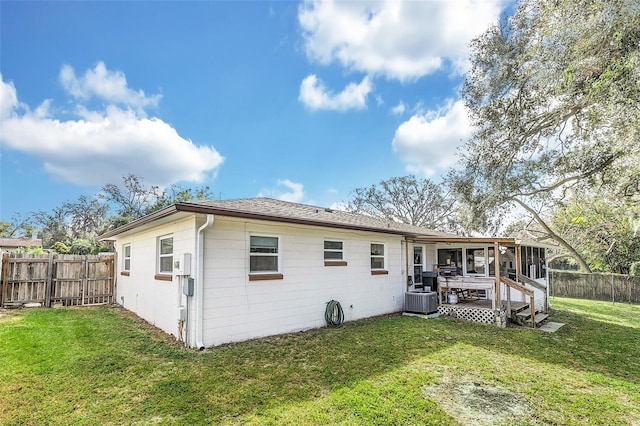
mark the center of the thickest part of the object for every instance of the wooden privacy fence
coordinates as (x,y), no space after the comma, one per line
(596,286)
(70,280)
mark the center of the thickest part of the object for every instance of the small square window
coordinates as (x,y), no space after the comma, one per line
(263,254)
(165,255)
(333,250)
(377,256)
(126,257)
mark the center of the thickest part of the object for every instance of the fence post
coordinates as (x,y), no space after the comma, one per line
(48,290)
(3,277)
(613,296)
(85,281)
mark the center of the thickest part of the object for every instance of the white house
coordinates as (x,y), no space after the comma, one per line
(230,270)
(222,271)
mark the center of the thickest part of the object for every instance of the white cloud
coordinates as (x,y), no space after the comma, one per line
(402,40)
(101,146)
(315,95)
(427,142)
(107,85)
(294,192)
(399,109)
(8,98)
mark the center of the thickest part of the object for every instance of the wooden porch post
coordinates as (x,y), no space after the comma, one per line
(406,264)
(496,267)
(508,289)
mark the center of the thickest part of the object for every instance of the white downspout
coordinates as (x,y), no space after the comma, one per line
(199,284)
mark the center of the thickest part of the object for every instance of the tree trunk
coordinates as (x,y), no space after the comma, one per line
(556,237)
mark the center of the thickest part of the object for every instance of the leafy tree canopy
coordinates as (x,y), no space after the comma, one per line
(133,199)
(18,226)
(602,229)
(409,200)
(76,225)
(554,93)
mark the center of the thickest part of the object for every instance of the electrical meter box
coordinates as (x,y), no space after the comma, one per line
(182,264)
(187,287)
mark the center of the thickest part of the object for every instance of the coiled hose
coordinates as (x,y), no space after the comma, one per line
(333,315)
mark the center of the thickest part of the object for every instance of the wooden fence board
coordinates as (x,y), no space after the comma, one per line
(72,280)
(596,286)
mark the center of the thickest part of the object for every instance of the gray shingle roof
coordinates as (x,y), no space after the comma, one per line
(281,211)
(273,210)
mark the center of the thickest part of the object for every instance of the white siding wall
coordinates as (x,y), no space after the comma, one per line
(237,309)
(156,301)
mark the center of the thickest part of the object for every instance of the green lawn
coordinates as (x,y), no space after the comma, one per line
(101,365)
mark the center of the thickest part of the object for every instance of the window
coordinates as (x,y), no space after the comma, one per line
(263,254)
(333,253)
(165,255)
(476,261)
(377,256)
(417,264)
(492,261)
(126,258)
(450,261)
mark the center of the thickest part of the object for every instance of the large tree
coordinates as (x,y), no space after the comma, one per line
(53,226)
(19,226)
(76,225)
(601,229)
(554,93)
(133,199)
(410,200)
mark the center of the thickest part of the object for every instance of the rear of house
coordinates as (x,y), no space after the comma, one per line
(227,271)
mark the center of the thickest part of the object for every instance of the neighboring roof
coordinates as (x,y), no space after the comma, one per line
(20,242)
(285,212)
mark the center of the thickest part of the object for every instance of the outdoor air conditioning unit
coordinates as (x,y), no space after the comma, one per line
(422,303)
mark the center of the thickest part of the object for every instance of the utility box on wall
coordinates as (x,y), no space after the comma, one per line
(182,265)
(187,287)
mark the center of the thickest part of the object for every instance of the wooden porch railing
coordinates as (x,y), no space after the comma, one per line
(536,285)
(517,286)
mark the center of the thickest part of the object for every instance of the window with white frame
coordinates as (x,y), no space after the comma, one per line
(476,261)
(417,264)
(126,257)
(165,255)
(333,251)
(377,256)
(263,254)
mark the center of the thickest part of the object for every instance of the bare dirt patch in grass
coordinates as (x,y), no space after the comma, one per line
(474,402)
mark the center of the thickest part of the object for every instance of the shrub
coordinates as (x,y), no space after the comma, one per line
(60,247)
(81,246)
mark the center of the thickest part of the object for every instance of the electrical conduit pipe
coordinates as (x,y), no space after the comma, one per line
(199,290)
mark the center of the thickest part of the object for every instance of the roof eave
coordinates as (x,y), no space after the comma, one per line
(201,209)
(457,239)
(167,211)
(197,208)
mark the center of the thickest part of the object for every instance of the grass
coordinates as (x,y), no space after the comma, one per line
(104,366)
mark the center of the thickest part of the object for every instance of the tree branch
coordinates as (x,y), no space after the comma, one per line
(555,236)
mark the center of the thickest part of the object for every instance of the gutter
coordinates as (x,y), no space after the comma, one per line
(199,284)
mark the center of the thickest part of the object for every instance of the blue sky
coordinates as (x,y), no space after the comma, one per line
(301,101)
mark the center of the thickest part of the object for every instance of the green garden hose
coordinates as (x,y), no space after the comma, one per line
(333,315)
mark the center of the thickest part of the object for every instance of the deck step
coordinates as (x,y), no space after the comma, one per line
(525,315)
(517,307)
(522,316)
(540,318)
